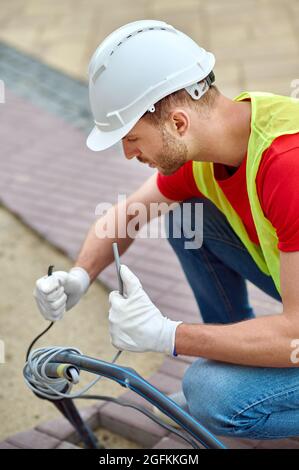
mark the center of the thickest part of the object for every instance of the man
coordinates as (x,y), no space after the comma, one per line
(152,87)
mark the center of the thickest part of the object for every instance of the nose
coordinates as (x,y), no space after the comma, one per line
(130,151)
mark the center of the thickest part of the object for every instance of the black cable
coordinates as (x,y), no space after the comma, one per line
(145,411)
(35,339)
(50,271)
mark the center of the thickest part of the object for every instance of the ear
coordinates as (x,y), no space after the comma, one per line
(179,122)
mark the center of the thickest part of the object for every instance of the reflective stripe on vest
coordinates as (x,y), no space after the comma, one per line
(271,117)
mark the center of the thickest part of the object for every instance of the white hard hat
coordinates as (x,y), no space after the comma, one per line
(136,66)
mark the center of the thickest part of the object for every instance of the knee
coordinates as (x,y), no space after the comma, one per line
(217,396)
(207,390)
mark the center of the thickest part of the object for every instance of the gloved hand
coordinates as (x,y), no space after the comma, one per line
(135,323)
(60,292)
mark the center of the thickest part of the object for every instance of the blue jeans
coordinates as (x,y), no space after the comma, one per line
(231,399)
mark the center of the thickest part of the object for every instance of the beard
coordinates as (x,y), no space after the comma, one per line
(174,154)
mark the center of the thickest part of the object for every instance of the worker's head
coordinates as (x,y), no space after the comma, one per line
(150,82)
(169,137)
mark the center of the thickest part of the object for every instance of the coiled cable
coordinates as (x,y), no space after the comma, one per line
(54,388)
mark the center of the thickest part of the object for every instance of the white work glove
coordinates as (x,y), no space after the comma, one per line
(135,323)
(60,292)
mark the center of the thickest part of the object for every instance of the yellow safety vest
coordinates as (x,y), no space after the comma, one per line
(271,117)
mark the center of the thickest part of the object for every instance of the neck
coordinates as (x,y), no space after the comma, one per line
(227,133)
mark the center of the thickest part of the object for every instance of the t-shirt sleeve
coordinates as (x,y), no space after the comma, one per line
(278,190)
(180,185)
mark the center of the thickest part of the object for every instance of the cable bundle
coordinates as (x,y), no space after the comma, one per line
(57,388)
(40,383)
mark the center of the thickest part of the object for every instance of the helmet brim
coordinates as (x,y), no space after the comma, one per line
(99,140)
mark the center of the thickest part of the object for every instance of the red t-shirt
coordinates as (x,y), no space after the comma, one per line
(277,187)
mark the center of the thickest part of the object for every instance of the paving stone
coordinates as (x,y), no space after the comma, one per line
(129,421)
(170,443)
(188,359)
(278,444)
(229,442)
(131,424)
(133,397)
(7,445)
(254,49)
(275,85)
(235,443)
(269,69)
(61,429)
(173,368)
(33,439)
(67,445)
(187,308)
(165,383)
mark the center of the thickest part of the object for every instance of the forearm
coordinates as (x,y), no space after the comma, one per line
(264,341)
(96,252)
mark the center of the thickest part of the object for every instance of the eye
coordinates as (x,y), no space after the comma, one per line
(132,140)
